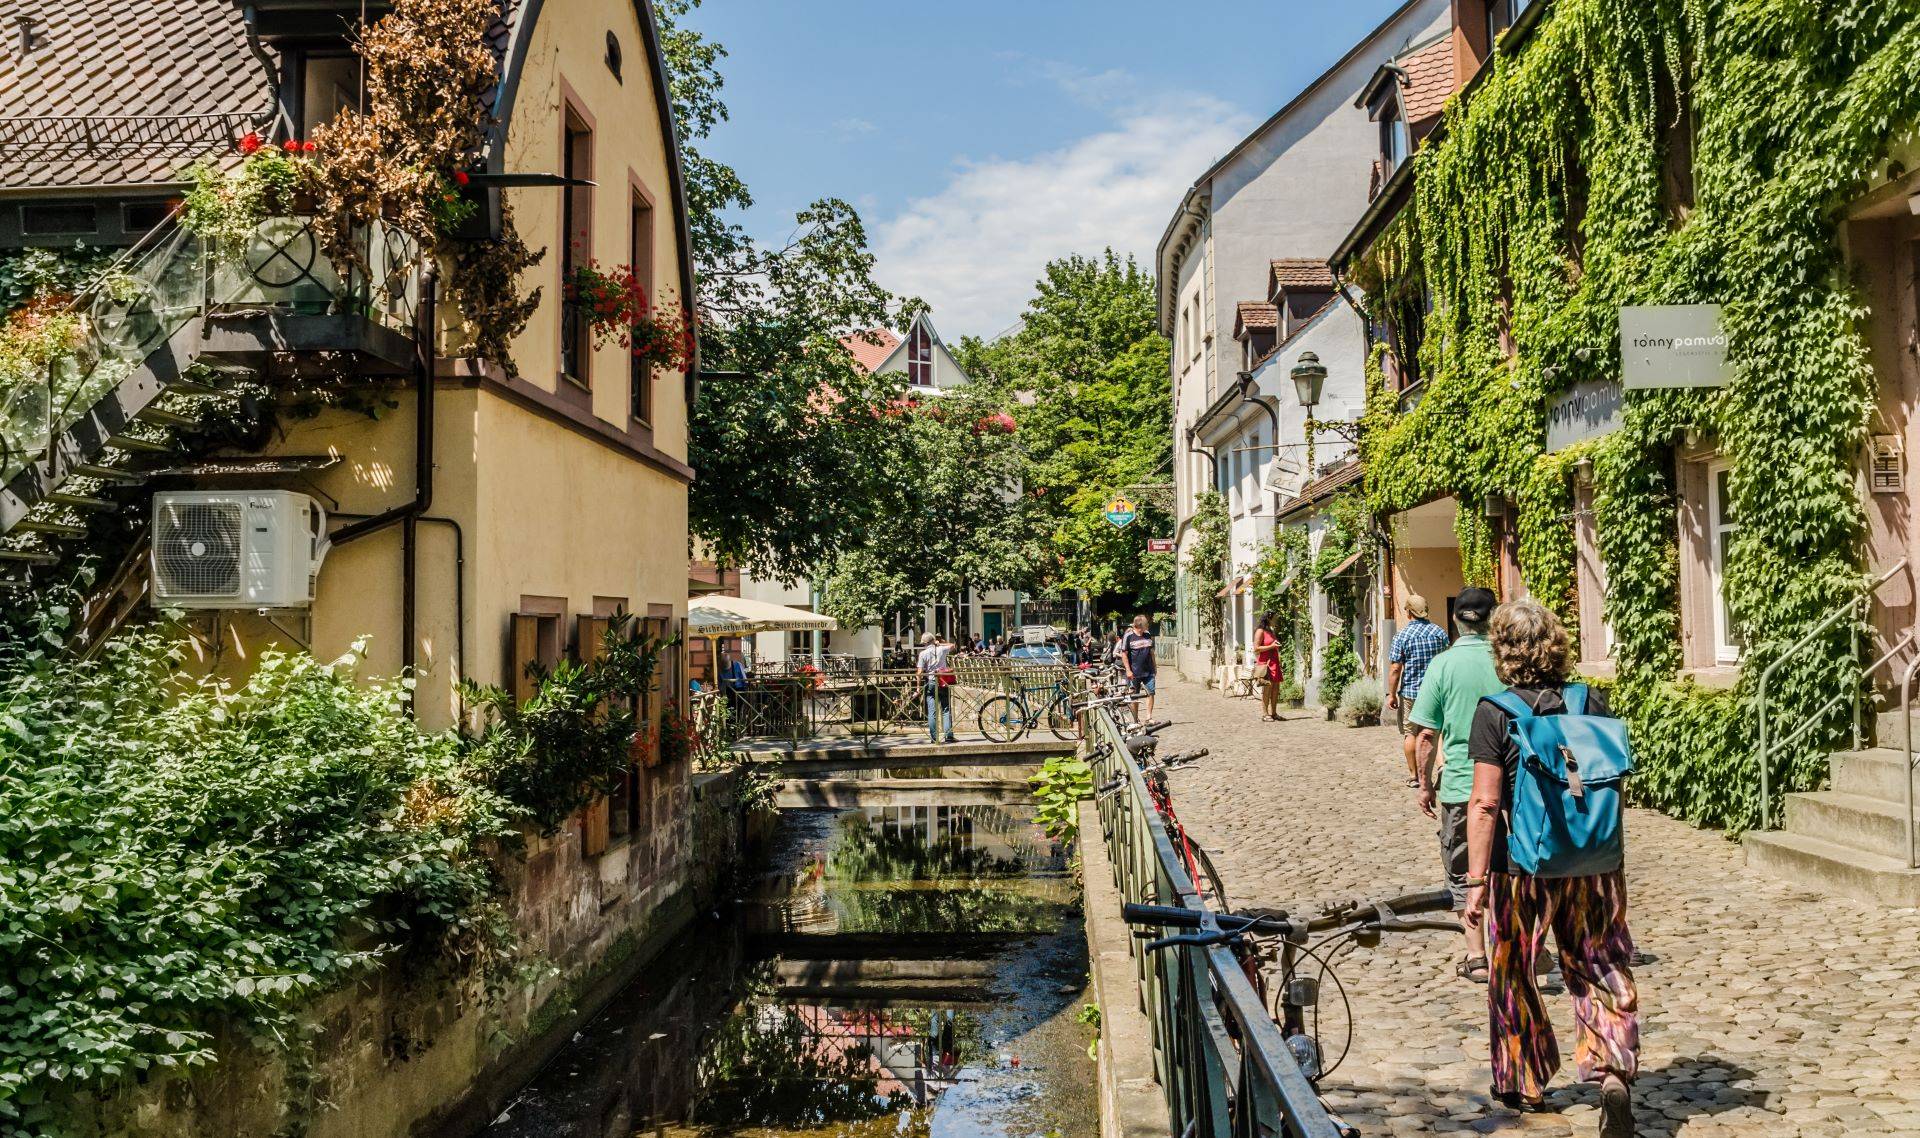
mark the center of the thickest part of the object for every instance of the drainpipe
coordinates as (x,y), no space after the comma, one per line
(408,514)
(1273,414)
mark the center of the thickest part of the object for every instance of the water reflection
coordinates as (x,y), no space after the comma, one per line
(905,970)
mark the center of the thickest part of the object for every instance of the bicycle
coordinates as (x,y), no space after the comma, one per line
(1009,716)
(1257,936)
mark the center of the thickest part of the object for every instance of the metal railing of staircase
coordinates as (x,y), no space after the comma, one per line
(1860,608)
(1197,1001)
(1906,748)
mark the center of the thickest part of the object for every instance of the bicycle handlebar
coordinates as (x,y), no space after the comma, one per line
(1389,915)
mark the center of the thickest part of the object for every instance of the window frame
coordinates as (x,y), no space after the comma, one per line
(1720,528)
(641,221)
(576,220)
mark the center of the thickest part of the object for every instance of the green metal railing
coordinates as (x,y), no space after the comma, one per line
(1220,1060)
(800,706)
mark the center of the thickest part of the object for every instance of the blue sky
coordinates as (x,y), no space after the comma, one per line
(978,141)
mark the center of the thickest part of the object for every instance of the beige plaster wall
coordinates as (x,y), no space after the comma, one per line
(565,59)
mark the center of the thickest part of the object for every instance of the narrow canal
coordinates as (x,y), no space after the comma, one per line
(902,970)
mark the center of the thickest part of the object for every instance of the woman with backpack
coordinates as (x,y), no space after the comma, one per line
(1544,851)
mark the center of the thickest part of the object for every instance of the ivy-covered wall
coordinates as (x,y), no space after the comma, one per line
(1651,152)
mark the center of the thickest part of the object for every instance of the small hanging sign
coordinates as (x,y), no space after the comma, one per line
(1120,512)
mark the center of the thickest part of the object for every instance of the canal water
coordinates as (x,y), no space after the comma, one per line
(901,971)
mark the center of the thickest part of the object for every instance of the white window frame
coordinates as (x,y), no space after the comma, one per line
(1725,651)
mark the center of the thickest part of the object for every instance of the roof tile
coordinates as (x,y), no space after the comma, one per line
(1429,80)
(1255,316)
(1303,273)
(870,349)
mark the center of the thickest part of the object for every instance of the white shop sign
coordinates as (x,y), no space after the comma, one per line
(1585,411)
(1672,345)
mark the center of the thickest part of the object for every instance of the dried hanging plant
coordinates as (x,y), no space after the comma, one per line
(430,73)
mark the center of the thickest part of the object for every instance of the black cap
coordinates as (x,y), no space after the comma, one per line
(1474,604)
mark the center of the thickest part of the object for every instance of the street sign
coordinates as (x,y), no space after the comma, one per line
(1587,410)
(1121,512)
(1159,545)
(1672,345)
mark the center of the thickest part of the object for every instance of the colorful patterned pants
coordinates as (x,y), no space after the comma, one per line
(1588,916)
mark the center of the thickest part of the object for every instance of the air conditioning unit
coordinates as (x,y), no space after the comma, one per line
(247,549)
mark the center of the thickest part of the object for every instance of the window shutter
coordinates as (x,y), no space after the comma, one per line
(525,652)
(591,637)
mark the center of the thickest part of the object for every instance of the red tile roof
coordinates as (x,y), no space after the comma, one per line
(1256,316)
(1429,79)
(1301,273)
(113,58)
(871,348)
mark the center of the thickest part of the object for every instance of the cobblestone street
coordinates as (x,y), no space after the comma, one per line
(1767,1010)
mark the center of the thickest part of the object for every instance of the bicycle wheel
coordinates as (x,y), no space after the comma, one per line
(1003,718)
(1061,721)
(1213,888)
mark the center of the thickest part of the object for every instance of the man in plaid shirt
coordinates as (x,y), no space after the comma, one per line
(1414,647)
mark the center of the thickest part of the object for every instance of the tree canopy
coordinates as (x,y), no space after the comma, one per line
(1086,377)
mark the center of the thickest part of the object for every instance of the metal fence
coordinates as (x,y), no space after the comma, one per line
(802,705)
(1221,1061)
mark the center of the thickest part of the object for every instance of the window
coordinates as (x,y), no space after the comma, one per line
(640,252)
(1503,14)
(1722,525)
(1395,143)
(329,84)
(576,247)
(136,218)
(59,220)
(920,357)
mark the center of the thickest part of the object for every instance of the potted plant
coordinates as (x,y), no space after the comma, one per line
(1292,695)
(616,307)
(1361,702)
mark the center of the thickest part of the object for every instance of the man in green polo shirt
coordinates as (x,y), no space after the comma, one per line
(1443,713)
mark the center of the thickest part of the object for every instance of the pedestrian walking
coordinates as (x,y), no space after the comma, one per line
(935,669)
(1413,648)
(1266,666)
(1562,869)
(1450,693)
(1136,652)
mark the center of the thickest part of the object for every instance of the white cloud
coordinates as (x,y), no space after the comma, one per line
(974,248)
(851,127)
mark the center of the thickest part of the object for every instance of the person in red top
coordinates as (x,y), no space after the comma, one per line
(1266,664)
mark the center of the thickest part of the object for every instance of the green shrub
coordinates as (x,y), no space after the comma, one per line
(1361,701)
(1338,668)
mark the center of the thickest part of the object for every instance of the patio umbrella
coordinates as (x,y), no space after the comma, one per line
(714,617)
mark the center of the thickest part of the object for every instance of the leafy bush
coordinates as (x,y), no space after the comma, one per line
(1058,787)
(175,853)
(1291,691)
(1338,667)
(1361,701)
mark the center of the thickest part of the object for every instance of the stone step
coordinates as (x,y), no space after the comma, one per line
(1875,825)
(1875,773)
(1886,725)
(1832,868)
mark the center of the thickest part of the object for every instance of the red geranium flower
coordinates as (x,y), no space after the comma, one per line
(309,146)
(250,142)
(290,146)
(460,176)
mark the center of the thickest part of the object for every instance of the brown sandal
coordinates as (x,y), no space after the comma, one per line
(1466,968)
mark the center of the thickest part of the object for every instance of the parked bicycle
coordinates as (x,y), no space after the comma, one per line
(1269,938)
(1009,716)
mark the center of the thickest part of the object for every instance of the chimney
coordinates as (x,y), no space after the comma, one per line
(1472,42)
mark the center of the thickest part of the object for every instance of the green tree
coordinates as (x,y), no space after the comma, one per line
(789,437)
(954,518)
(1087,377)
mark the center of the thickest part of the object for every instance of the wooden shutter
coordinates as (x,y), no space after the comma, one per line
(525,652)
(590,644)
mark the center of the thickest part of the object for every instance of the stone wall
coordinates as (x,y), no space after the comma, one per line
(410,1050)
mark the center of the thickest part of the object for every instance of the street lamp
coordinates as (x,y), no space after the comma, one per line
(1309,377)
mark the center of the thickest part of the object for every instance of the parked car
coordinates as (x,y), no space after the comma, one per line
(1037,654)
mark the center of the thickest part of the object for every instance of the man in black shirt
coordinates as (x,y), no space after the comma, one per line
(1137,653)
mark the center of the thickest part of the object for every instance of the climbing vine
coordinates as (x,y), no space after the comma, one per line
(1212,545)
(1283,589)
(1648,152)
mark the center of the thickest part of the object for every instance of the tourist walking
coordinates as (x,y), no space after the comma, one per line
(1413,648)
(1450,693)
(1266,667)
(935,669)
(1136,651)
(1563,871)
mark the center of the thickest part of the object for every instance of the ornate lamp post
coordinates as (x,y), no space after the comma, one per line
(1309,379)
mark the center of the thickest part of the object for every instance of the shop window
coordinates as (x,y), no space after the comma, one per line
(1722,526)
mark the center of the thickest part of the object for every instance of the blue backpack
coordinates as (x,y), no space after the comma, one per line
(1565,819)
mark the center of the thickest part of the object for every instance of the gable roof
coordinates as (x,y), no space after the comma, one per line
(1255,316)
(1303,274)
(111,58)
(871,348)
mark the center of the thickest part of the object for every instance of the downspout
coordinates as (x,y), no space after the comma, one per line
(250,18)
(408,514)
(1273,414)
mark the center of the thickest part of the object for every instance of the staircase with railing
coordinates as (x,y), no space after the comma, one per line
(1857,837)
(157,343)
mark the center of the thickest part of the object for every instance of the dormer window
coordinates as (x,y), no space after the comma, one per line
(1395,142)
(329,82)
(1503,14)
(920,357)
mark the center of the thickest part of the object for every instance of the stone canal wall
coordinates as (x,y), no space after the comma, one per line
(402,1053)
